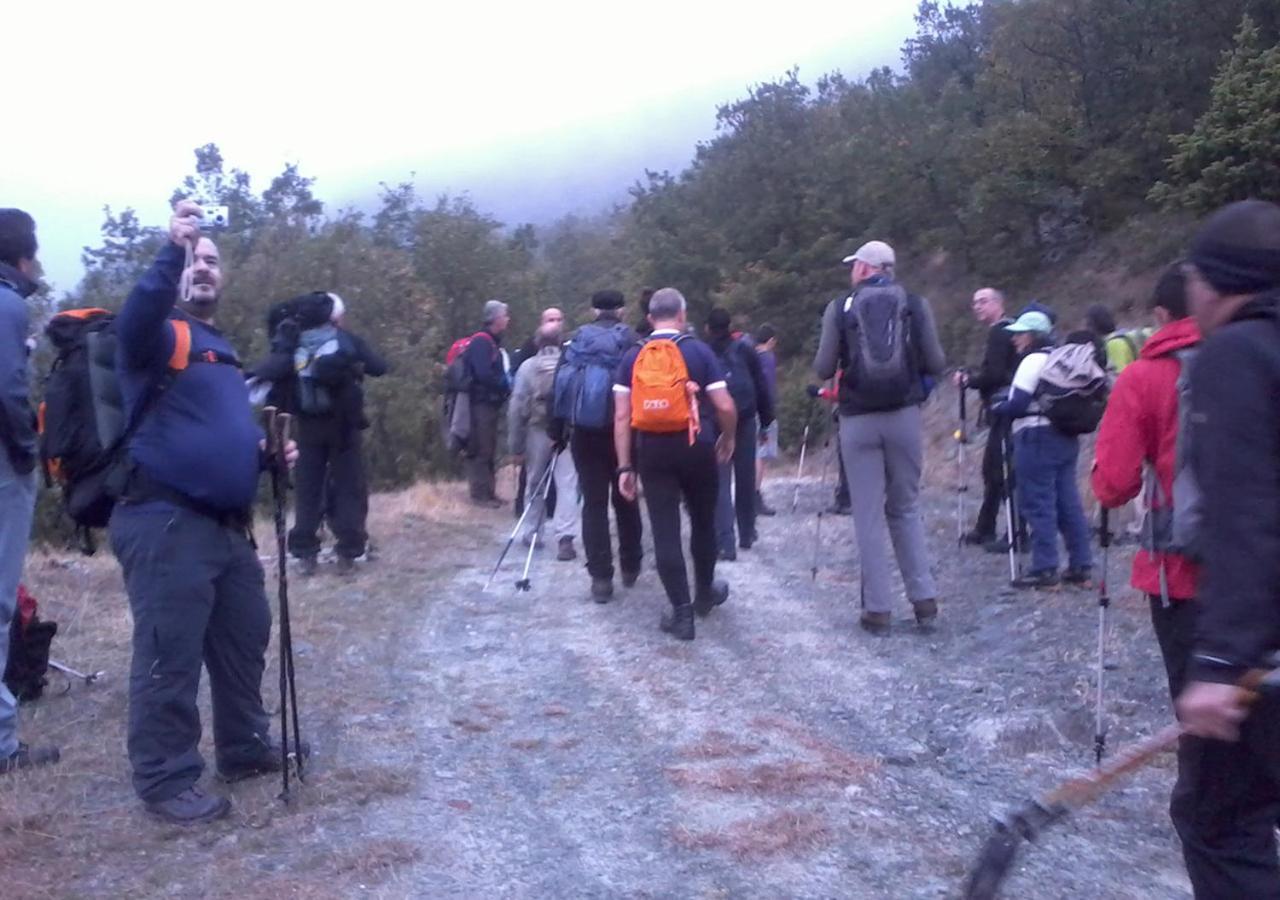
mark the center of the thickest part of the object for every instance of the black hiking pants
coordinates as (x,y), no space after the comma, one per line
(482,449)
(596,460)
(329,482)
(1226,800)
(992,478)
(197,595)
(671,471)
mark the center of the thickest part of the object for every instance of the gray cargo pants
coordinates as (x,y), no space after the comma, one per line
(17,505)
(883,455)
(197,594)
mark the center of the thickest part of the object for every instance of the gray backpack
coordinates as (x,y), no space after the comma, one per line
(1173,524)
(880,373)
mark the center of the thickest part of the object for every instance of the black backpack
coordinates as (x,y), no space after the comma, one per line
(29,642)
(742,387)
(880,371)
(1073,389)
(82,422)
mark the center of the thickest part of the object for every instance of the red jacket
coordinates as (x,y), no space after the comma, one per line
(1141,425)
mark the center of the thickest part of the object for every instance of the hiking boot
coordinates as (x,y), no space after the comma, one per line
(1078,577)
(877,623)
(602,589)
(1044,578)
(265,764)
(762,508)
(566,551)
(977,538)
(307,566)
(748,541)
(629,579)
(487,502)
(840,509)
(192,807)
(679,622)
(345,566)
(997,545)
(926,612)
(714,596)
(729,555)
(28,757)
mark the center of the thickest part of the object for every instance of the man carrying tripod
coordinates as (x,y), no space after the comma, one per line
(181,531)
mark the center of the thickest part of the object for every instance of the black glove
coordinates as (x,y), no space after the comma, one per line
(812,390)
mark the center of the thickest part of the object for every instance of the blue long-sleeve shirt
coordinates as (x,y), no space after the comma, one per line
(200,439)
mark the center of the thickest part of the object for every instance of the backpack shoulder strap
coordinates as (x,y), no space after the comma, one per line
(181,345)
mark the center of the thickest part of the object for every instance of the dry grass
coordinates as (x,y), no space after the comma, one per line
(717,744)
(788,831)
(773,779)
(76,829)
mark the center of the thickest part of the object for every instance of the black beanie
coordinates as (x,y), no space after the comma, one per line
(1237,249)
(607,300)
(719,321)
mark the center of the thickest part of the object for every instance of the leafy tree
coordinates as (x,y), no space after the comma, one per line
(1232,153)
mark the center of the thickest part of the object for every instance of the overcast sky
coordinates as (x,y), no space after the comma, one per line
(536,109)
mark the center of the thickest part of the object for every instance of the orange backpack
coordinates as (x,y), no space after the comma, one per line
(662,396)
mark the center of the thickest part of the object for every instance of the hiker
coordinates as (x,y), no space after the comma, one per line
(1045,460)
(643,326)
(181,531)
(316,368)
(884,340)
(1122,346)
(991,380)
(584,413)
(752,399)
(488,388)
(18,270)
(1227,797)
(550,316)
(674,402)
(766,343)
(531,446)
(1139,440)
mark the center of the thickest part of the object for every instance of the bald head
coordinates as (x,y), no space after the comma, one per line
(552,316)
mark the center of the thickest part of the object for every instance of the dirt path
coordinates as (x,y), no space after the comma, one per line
(538,745)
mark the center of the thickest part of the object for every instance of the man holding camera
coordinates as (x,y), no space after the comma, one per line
(181,531)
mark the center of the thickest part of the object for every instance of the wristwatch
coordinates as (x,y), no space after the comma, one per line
(622,469)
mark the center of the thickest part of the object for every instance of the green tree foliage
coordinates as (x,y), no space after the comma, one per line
(1233,153)
(1016,133)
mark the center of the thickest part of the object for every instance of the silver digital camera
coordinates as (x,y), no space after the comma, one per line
(215,217)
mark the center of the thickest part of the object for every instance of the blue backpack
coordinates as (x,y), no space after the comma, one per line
(583,391)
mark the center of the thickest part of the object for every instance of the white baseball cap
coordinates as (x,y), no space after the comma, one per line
(876,254)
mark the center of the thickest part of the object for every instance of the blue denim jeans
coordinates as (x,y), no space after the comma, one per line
(17,504)
(1049,496)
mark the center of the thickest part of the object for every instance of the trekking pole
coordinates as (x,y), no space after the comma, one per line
(1010,514)
(506,549)
(962,480)
(545,488)
(1104,601)
(804,446)
(817,527)
(1029,821)
(277,437)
